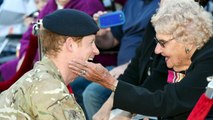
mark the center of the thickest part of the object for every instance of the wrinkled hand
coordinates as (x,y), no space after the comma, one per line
(104,112)
(93,72)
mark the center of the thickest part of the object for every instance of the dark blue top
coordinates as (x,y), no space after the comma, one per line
(1,1)
(138,14)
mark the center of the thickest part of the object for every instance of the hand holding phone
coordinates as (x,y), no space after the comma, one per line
(111,19)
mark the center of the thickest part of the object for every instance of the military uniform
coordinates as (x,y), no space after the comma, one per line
(40,94)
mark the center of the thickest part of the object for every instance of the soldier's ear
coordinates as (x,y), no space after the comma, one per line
(71,45)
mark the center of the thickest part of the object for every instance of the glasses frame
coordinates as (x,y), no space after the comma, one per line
(163,42)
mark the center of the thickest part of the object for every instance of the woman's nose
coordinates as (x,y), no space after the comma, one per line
(158,49)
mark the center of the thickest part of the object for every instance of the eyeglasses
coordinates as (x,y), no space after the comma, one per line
(163,42)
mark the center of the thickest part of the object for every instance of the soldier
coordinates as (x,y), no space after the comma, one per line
(42,93)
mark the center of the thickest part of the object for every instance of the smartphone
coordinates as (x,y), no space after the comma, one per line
(111,19)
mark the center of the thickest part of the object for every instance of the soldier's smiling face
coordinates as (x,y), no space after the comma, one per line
(86,48)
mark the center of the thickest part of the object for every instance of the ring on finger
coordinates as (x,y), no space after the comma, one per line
(83,72)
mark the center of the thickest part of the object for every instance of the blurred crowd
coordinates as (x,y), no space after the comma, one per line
(122,50)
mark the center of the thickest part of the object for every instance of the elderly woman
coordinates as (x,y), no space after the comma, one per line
(184,33)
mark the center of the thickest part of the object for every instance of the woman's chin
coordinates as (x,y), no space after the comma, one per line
(169,65)
(178,69)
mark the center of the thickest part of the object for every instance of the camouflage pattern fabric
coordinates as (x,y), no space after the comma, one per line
(40,94)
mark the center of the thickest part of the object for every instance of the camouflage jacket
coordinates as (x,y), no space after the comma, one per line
(40,94)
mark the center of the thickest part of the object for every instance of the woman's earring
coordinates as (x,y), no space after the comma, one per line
(187,50)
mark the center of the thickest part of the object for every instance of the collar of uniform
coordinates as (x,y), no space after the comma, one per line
(51,68)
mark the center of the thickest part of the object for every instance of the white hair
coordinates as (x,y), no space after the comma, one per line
(185,20)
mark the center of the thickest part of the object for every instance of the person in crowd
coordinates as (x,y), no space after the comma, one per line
(12,14)
(30,18)
(184,32)
(8,69)
(42,93)
(128,36)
